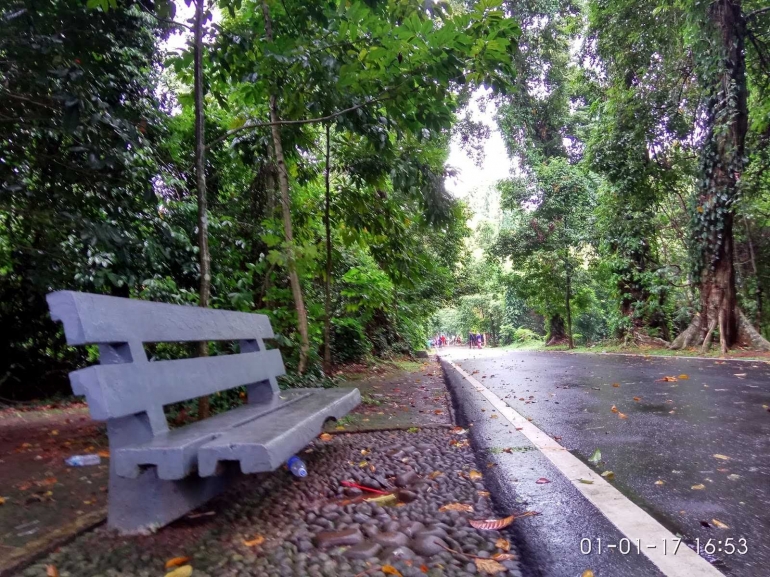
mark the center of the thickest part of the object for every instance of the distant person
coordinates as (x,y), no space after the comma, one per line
(471,340)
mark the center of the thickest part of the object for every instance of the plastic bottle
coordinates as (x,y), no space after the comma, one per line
(297,467)
(83,460)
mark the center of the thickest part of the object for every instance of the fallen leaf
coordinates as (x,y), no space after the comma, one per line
(614,409)
(104,454)
(608,475)
(390,570)
(176,562)
(438,412)
(717,523)
(435,474)
(503,544)
(503,556)
(424,568)
(698,487)
(258,540)
(667,380)
(325,437)
(483,493)
(622,415)
(659,482)
(733,477)
(683,377)
(596,457)
(723,457)
(475,475)
(542,481)
(493,416)
(183,571)
(51,571)
(458,431)
(616,385)
(456,507)
(365,452)
(587,573)
(384,500)
(491,524)
(489,566)
(586,481)
(637,399)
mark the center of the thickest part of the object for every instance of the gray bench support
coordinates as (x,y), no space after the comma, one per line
(158,475)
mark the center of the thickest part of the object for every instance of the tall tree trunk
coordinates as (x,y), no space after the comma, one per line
(204,291)
(328,279)
(283,182)
(569,311)
(722,163)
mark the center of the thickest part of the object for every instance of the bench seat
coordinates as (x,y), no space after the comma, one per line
(175,453)
(265,443)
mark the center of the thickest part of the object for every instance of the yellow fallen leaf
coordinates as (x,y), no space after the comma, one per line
(435,474)
(489,566)
(587,573)
(325,437)
(683,377)
(183,571)
(2,500)
(176,562)
(364,452)
(258,540)
(717,523)
(503,544)
(608,475)
(668,379)
(456,507)
(51,571)
(383,500)
(390,570)
(475,475)
(659,482)
(698,487)
(723,457)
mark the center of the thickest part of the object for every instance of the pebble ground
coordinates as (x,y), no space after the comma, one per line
(316,527)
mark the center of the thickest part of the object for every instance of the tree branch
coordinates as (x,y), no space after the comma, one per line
(756,13)
(326,118)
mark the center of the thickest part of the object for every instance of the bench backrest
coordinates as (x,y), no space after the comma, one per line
(126,383)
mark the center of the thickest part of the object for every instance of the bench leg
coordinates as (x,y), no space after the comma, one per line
(144,504)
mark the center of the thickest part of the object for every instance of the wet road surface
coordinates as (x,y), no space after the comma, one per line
(694,452)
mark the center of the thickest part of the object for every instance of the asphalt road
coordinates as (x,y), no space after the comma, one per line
(694,452)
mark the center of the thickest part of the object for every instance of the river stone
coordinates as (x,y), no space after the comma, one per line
(433,529)
(397,553)
(411,528)
(406,479)
(337,538)
(407,496)
(428,545)
(363,550)
(391,539)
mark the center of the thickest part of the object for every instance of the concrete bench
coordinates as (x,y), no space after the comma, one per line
(157,474)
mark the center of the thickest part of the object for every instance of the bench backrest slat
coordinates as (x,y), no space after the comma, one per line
(125,383)
(125,389)
(90,319)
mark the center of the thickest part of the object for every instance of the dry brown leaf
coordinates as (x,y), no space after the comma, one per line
(503,544)
(390,570)
(475,475)
(659,482)
(51,571)
(698,487)
(456,507)
(622,415)
(176,562)
(667,380)
(717,523)
(503,556)
(614,409)
(637,399)
(435,474)
(104,454)
(483,493)
(183,571)
(325,437)
(424,568)
(489,566)
(2,500)
(616,385)
(258,540)
(587,573)
(491,524)
(458,431)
